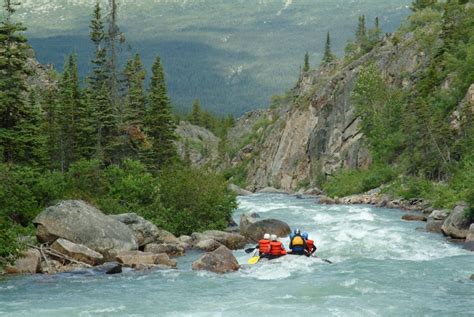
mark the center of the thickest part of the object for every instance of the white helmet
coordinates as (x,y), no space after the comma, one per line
(274,237)
(266,236)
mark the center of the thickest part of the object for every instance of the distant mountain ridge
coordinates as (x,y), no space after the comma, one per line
(232,55)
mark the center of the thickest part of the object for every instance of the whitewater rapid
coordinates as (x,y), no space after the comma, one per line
(383,266)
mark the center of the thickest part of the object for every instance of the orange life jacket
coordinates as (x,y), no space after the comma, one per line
(309,244)
(263,246)
(275,248)
(283,252)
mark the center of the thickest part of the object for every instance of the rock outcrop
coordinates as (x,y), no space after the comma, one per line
(457,225)
(314,130)
(470,234)
(239,191)
(207,245)
(81,223)
(197,144)
(29,262)
(413,217)
(254,228)
(219,261)
(78,252)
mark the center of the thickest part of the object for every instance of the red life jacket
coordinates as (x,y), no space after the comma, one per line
(263,246)
(309,245)
(283,252)
(275,248)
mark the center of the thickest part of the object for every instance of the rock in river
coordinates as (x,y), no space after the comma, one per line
(233,241)
(81,223)
(170,249)
(456,225)
(139,259)
(219,261)
(254,228)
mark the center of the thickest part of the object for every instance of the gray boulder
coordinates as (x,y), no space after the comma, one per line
(413,217)
(470,234)
(28,263)
(436,219)
(239,191)
(139,259)
(207,245)
(272,190)
(144,231)
(219,261)
(233,241)
(81,223)
(325,200)
(457,225)
(109,268)
(313,192)
(254,228)
(170,249)
(78,252)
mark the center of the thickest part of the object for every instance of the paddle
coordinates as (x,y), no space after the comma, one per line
(249,250)
(325,260)
(254,259)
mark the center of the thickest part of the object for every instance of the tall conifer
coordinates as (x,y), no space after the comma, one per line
(328,55)
(159,119)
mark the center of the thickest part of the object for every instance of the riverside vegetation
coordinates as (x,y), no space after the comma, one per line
(108,141)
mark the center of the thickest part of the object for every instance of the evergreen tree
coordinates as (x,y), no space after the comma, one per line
(328,55)
(306,63)
(114,39)
(98,92)
(20,140)
(135,101)
(196,113)
(52,127)
(361,34)
(374,34)
(160,126)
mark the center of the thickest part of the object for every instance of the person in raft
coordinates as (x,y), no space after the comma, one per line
(276,248)
(297,243)
(310,246)
(263,245)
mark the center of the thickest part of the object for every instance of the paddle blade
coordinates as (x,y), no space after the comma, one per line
(253,260)
(249,250)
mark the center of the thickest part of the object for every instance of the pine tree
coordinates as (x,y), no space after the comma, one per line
(196,113)
(361,34)
(306,66)
(52,127)
(135,101)
(328,55)
(20,140)
(114,38)
(98,91)
(159,120)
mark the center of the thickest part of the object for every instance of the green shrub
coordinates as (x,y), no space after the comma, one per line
(195,200)
(350,182)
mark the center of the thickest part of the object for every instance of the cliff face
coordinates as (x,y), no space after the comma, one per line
(314,131)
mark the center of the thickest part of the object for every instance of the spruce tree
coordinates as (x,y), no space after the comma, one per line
(361,33)
(98,91)
(328,55)
(160,126)
(20,141)
(306,66)
(135,100)
(52,127)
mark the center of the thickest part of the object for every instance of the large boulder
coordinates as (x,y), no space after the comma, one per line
(139,259)
(81,223)
(78,252)
(28,263)
(457,224)
(221,260)
(254,228)
(413,217)
(470,234)
(109,268)
(436,219)
(239,191)
(325,200)
(170,249)
(233,241)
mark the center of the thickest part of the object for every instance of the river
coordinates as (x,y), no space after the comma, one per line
(382,266)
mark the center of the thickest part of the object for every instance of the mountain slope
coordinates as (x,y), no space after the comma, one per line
(233,55)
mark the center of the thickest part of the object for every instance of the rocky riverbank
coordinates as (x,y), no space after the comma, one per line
(73,235)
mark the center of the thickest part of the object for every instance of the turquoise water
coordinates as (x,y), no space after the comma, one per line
(382,267)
